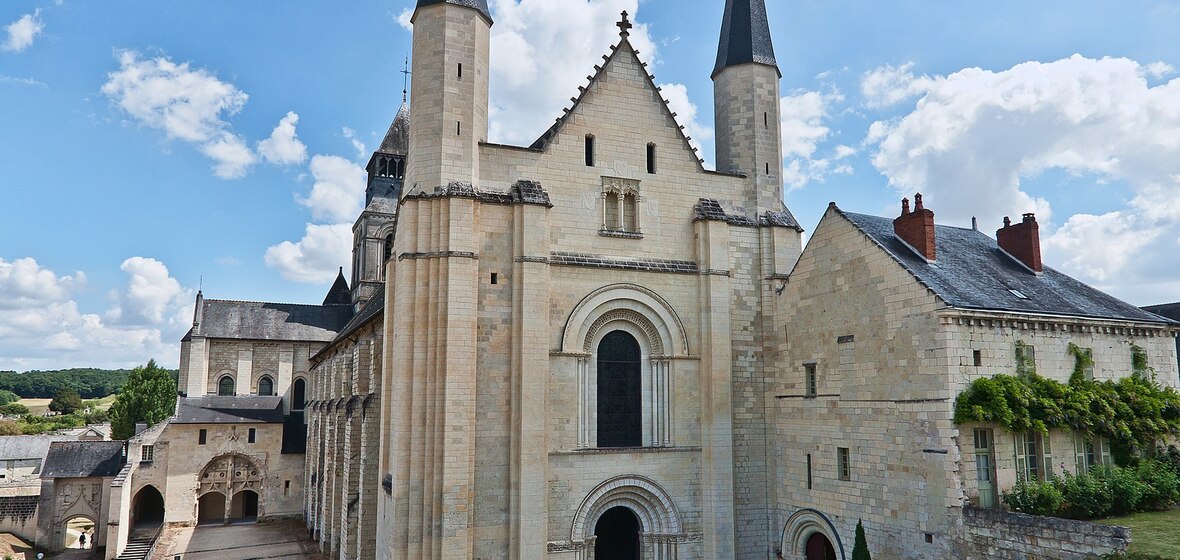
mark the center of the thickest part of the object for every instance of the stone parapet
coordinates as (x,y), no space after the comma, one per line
(1003,535)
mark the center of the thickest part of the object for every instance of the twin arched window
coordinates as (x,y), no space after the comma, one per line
(620,391)
(225,386)
(266,386)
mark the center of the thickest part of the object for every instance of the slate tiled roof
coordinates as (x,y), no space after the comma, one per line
(481,5)
(27,447)
(397,138)
(339,294)
(1169,310)
(229,410)
(81,459)
(745,35)
(972,272)
(252,320)
(371,310)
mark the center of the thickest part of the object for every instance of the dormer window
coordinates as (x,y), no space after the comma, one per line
(620,207)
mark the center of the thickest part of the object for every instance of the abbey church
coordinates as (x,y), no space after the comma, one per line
(593,347)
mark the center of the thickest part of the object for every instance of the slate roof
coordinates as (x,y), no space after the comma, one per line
(28,447)
(229,410)
(339,294)
(397,138)
(81,459)
(252,320)
(1169,310)
(745,36)
(371,310)
(480,5)
(972,272)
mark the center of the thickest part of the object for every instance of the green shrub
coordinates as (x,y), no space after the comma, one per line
(1125,488)
(14,409)
(1034,497)
(9,428)
(860,549)
(1161,485)
(1085,496)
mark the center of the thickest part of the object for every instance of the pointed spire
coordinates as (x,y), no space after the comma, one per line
(339,294)
(745,36)
(479,5)
(397,138)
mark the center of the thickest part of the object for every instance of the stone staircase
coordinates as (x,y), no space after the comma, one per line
(137,548)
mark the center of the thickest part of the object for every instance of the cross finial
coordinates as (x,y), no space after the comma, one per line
(406,80)
(624,25)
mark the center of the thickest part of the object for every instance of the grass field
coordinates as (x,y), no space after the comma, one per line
(1152,533)
(39,407)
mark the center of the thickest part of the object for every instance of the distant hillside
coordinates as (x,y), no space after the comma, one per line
(91,383)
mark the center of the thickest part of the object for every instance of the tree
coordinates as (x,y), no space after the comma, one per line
(66,401)
(14,409)
(8,397)
(9,428)
(860,550)
(149,396)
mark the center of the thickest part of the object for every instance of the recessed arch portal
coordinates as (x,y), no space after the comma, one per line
(147,507)
(799,537)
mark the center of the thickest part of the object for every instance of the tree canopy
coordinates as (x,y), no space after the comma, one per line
(66,401)
(148,396)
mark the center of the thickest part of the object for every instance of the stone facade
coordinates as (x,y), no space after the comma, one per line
(997,535)
(889,358)
(510,267)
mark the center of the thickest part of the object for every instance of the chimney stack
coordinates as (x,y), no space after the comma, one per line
(1022,241)
(916,228)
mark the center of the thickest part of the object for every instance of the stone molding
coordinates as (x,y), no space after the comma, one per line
(653,506)
(620,263)
(800,526)
(438,255)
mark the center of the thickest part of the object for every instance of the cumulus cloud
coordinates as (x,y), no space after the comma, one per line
(192,105)
(316,257)
(22,32)
(804,116)
(542,50)
(284,147)
(362,152)
(976,135)
(338,191)
(41,325)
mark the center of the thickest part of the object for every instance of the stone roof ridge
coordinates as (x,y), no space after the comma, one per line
(543,142)
(397,138)
(252,302)
(745,36)
(480,6)
(972,272)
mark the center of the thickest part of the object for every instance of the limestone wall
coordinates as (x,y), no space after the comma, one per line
(18,510)
(248,361)
(998,535)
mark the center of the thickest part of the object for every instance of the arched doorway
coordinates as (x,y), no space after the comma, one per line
(299,395)
(620,391)
(617,535)
(148,507)
(211,509)
(244,507)
(79,533)
(820,548)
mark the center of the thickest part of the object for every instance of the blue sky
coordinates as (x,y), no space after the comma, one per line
(146,148)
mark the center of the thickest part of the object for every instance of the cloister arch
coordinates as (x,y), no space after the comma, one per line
(147,507)
(233,483)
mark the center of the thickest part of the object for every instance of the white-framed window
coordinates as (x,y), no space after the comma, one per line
(1026,359)
(1090,452)
(147,453)
(811,381)
(1034,455)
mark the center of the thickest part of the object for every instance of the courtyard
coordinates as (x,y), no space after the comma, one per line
(276,540)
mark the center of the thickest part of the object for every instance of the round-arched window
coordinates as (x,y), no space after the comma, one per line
(266,386)
(620,399)
(225,386)
(299,395)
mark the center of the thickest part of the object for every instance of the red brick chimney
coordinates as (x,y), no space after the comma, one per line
(916,228)
(1022,241)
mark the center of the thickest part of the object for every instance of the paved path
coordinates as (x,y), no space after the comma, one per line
(276,540)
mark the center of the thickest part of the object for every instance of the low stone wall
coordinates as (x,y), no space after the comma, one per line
(993,534)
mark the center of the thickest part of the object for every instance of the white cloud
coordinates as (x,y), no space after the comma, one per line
(187,104)
(542,50)
(41,325)
(889,85)
(317,257)
(284,147)
(338,191)
(804,127)
(362,153)
(403,19)
(686,114)
(1098,247)
(22,32)
(21,81)
(975,136)
(152,297)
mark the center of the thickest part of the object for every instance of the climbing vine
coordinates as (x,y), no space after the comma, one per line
(1026,361)
(1134,413)
(1083,364)
(1139,362)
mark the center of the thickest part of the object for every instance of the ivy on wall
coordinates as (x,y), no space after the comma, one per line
(1134,413)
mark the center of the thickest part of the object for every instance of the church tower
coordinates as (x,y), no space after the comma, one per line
(450,92)
(746,102)
(372,234)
